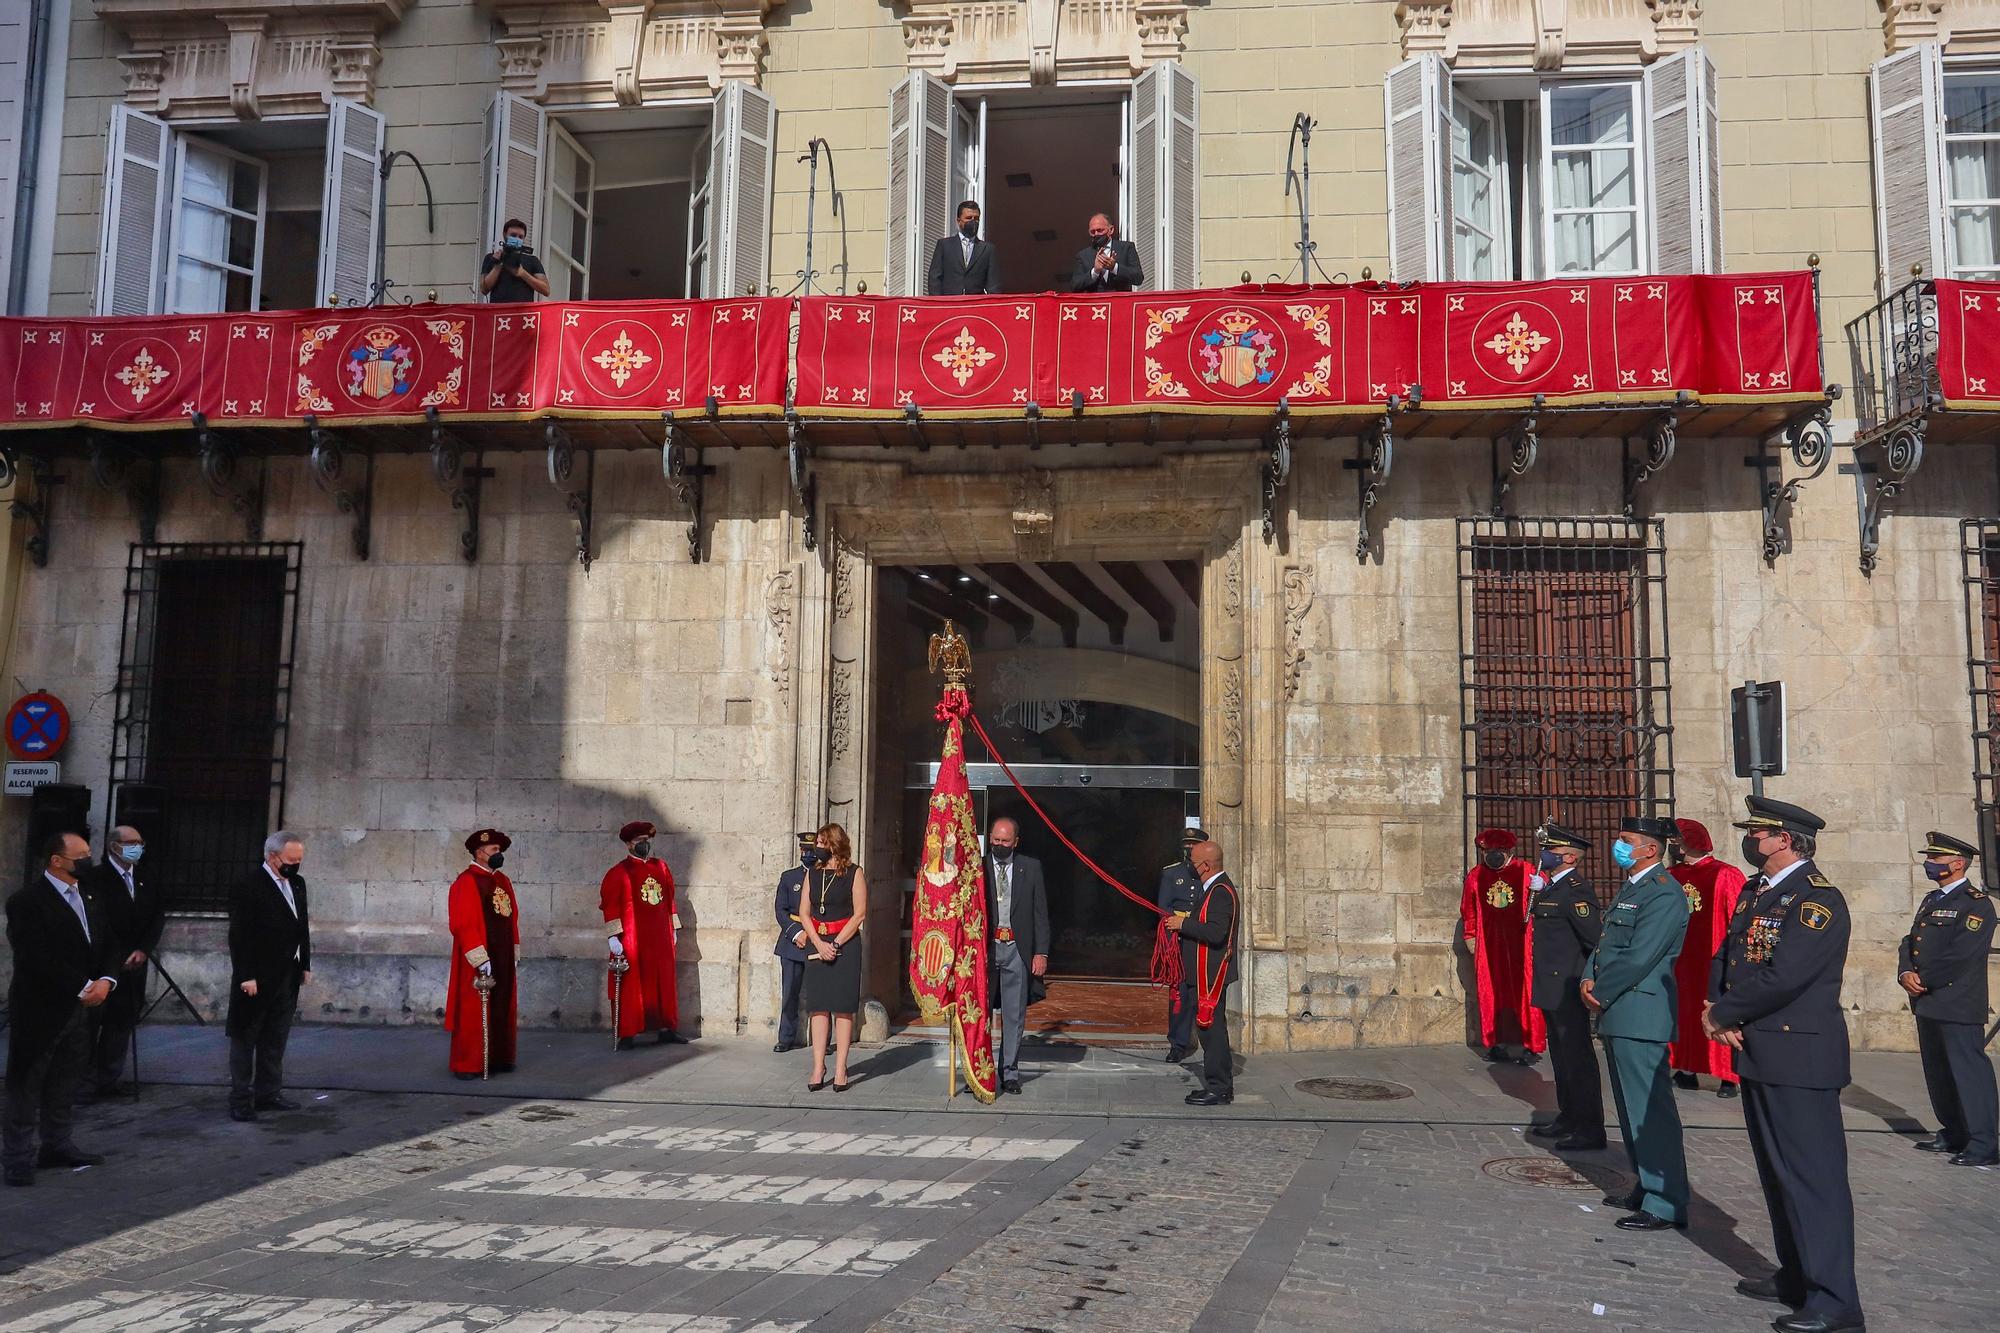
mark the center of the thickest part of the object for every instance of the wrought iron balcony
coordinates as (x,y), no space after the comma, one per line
(1894,346)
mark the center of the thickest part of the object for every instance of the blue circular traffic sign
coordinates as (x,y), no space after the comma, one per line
(37,726)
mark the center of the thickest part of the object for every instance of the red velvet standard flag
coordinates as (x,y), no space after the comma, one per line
(948,916)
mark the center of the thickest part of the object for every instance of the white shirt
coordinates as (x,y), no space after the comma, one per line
(1557,878)
(1944,889)
(1003,878)
(125,873)
(965,247)
(74,897)
(1773,881)
(1211,879)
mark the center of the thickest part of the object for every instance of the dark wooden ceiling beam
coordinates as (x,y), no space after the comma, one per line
(1073,580)
(1187,573)
(1139,586)
(1021,585)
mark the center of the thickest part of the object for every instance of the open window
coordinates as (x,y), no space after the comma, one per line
(1937,166)
(281,214)
(1500,176)
(642,202)
(1039,162)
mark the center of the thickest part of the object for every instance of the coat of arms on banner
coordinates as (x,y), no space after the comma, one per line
(379,364)
(1236,352)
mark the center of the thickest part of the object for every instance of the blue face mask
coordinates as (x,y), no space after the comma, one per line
(1623,854)
(1551,860)
(133,853)
(516,242)
(1936,870)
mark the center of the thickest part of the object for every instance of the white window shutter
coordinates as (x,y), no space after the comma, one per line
(739,213)
(351,207)
(920,176)
(1166,159)
(517,133)
(1143,228)
(135,192)
(1682,152)
(1416,98)
(1906,98)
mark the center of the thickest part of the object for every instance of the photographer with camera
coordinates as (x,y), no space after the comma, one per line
(511,272)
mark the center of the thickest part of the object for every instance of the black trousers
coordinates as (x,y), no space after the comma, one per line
(1801,1152)
(792,972)
(44,1097)
(1579,1089)
(112,1024)
(1961,1084)
(1180,1022)
(1218,1074)
(257,1049)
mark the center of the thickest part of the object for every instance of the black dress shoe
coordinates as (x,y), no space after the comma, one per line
(1581,1142)
(1494,1055)
(1726,1091)
(464,1078)
(1177,1054)
(1818,1323)
(1203,1097)
(1688,1081)
(1643,1222)
(1548,1129)
(669,1037)
(1629,1202)
(277,1104)
(1769,1289)
(784,1046)
(242,1113)
(624,1043)
(67,1157)
(1012,1085)
(1938,1144)
(106,1091)
(503,1069)
(1967,1159)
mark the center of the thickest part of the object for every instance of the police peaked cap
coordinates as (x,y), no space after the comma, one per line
(1661,831)
(1780,816)
(1555,835)
(1943,844)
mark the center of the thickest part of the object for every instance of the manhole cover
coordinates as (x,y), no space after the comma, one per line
(1355,1089)
(1550,1174)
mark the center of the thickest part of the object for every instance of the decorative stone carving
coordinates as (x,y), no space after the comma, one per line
(846,569)
(1298,584)
(211,59)
(1148,522)
(777,632)
(1232,582)
(840,711)
(628,52)
(1041,41)
(1232,710)
(1966,27)
(1548,34)
(1035,514)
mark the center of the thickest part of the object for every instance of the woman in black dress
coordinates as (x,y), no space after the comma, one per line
(832,906)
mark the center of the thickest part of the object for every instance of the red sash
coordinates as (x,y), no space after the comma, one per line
(1207,995)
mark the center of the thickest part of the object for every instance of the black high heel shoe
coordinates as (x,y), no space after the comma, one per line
(843,1087)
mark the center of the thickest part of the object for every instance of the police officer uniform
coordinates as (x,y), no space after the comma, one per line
(1179,888)
(1946,949)
(1776,980)
(1566,925)
(790,953)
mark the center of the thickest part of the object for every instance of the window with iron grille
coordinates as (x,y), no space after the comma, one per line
(1565,704)
(202,704)
(1980,550)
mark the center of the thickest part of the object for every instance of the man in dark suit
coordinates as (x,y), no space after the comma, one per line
(133,918)
(791,946)
(63,967)
(270,957)
(1017,939)
(961,263)
(1107,264)
(1774,999)
(1178,890)
(1942,964)
(1208,954)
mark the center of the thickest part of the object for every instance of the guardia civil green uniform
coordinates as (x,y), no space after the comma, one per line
(1632,979)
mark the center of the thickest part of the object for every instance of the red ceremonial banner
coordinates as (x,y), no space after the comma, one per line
(623,359)
(1323,349)
(1968,344)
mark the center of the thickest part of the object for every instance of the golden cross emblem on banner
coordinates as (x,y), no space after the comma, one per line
(622,359)
(962,356)
(1517,342)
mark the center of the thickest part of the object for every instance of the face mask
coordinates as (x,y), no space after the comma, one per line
(1624,854)
(815,856)
(133,853)
(1936,871)
(1099,242)
(290,870)
(516,242)
(1494,860)
(1551,860)
(498,859)
(969,230)
(80,866)
(643,848)
(1003,854)
(1751,855)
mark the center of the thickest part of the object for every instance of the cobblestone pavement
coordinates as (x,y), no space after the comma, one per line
(419,1211)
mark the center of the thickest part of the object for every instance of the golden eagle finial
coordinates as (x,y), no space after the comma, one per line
(951,655)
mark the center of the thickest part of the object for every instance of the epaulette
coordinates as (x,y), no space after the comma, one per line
(1976,893)
(1171,865)
(1819,881)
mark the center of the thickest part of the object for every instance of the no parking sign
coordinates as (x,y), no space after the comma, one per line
(37,726)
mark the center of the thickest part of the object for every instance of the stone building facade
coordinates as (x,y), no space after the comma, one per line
(756,690)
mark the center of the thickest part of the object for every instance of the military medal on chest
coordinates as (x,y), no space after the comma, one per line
(650,893)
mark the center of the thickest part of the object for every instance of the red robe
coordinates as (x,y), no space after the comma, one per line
(1712,888)
(485,928)
(638,901)
(1494,907)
